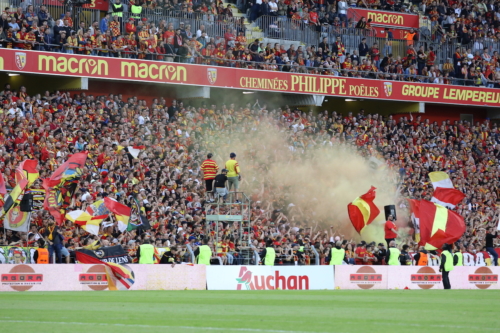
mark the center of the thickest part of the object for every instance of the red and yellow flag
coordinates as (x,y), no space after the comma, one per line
(362,211)
(26,174)
(61,186)
(119,277)
(438,225)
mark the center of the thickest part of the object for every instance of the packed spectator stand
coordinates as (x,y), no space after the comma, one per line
(209,34)
(462,47)
(167,181)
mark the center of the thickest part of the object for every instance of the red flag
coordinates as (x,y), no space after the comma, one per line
(439,225)
(60,187)
(448,197)
(69,170)
(117,208)
(122,213)
(362,211)
(26,173)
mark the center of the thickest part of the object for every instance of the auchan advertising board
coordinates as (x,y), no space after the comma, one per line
(226,77)
(270,277)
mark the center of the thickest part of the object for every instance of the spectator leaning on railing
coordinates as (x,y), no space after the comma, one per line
(477,66)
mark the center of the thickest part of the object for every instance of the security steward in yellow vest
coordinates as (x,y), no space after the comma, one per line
(393,254)
(422,257)
(117,10)
(136,12)
(268,255)
(41,255)
(337,254)
(203,253)
(447,265)
(146,253)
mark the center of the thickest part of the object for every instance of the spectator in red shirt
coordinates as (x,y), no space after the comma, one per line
(360,253)
(370,258)
(209,168)
(391,230)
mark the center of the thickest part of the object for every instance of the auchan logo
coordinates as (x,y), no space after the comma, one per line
(247,280)
(426,278)
(386,18)
(80,65)
(21,278)
(483,278)
(365,277)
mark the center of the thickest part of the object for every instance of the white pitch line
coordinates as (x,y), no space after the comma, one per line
(427,325)
(156,326)
(243,329)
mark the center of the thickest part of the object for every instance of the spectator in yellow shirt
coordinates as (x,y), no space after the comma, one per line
(233,174)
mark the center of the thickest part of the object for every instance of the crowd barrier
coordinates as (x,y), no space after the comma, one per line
(415,277)
(80,277)
(270,277)
(199,277)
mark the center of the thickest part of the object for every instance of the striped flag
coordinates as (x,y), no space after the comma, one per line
(122,213)
(135,150)
(61,186)
(438,225)
(440,179)
(88,222)
(26,174)
(447,197)
(445,193)
(119,277)
(362,211)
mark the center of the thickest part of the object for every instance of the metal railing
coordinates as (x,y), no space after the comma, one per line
(286,30)
(191,253)
(56,12)
(213,29)
(279,27)
(448,48)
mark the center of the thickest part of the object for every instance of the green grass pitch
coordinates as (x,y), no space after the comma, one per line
(339,311)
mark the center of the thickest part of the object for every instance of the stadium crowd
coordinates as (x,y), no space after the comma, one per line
(476,62)
(167,181)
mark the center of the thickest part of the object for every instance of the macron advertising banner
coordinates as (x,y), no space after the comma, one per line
(270,277)
(385,18)
(22,61)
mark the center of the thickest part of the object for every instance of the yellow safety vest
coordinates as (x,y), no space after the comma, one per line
(136,11)
(448,265)
(394,257)
(147,254)
(270,256)
(119,14)
(204,255)
(337,256)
